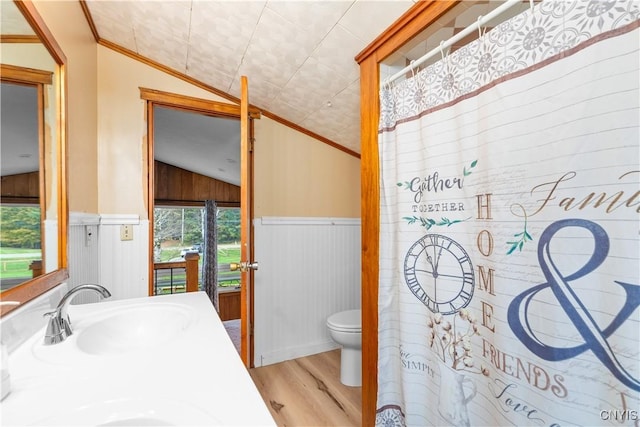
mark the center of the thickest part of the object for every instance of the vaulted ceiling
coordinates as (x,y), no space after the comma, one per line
(298,55)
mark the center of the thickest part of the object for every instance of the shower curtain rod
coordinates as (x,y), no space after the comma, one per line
(462,34)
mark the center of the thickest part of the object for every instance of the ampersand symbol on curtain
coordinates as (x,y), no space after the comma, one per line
(595,338)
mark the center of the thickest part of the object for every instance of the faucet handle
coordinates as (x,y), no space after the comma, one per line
(54,333)
(58,329)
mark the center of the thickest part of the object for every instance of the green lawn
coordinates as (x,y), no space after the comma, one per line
(227,255)
(17,266)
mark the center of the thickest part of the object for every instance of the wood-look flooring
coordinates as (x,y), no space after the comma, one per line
(308,392)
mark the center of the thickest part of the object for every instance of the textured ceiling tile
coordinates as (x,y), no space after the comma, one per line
(207,71)
(261,92)
(220,58)
(316,17)
(278,48)
(162,31)
(317,78)
(304,98)
(169,52)
(114,10)
(379,16)
(348,136)
(291,113)
(338,50)
(228,22)
(113,21)
(347,103)
(170,19)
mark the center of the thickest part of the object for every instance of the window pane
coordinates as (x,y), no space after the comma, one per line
(177,231)
(228,225)
(20,243)
(180,230)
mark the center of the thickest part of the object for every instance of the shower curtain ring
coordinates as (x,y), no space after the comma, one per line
(442,49)
(480,32)
(413,69)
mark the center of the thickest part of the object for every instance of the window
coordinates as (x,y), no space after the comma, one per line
(179,230)
(228,224)
(20,243)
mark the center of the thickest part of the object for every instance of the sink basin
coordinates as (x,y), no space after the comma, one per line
(162,361)
(134,328)
(133,412)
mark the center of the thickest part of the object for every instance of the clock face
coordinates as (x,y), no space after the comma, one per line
(439,273)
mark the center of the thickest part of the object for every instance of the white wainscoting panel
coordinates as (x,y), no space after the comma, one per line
(83,253)
(309,268)
(97,255)
(124,264)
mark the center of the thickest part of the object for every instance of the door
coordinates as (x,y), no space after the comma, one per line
(247,265)
(246,114)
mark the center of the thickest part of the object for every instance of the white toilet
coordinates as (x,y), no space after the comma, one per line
(345,328)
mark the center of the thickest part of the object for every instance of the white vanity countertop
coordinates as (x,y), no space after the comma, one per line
(187,372)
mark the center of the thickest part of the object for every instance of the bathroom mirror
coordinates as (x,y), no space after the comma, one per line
(33,151)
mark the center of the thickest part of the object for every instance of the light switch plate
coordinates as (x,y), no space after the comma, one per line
(126,232)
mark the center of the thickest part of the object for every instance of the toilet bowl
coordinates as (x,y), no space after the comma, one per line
(345,328)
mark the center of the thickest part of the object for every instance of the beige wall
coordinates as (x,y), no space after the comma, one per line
(295,175)
(70,29)
(122,128)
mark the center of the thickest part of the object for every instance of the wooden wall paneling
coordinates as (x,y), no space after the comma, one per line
(174,184)
(160,171)
(414,21)
(229,305)
(200,187)
(21,185)
(179,185)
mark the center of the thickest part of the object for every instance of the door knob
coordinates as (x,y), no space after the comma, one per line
(243,266)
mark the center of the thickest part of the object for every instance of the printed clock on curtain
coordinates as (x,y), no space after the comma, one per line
(439,273)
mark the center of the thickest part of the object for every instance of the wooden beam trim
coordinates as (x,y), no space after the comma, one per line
(198,104)
(25,75)
(410,24)
(370,211)
(89,18)
(404,29)
(19,38)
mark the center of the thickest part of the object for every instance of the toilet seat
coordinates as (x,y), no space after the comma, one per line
(346,321)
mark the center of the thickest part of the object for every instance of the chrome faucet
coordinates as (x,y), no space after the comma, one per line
(59,326)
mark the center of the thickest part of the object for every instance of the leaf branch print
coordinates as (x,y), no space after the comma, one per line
(521,237)
(430,222)
(467,172)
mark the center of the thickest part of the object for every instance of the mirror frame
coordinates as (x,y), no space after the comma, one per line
(32,288)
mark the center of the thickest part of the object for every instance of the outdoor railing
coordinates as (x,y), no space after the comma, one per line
(182,276)
(176,277)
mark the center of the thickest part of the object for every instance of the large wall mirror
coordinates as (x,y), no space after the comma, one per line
(33,220)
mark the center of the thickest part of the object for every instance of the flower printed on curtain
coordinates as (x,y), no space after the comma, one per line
(512,46)
(509,289)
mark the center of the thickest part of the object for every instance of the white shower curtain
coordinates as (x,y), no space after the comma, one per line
(509,231)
